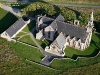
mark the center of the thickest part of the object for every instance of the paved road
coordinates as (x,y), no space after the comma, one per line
(12,10)
(75,5)
(47,60)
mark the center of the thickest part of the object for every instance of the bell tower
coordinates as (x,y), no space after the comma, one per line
(39,22)
(90,23)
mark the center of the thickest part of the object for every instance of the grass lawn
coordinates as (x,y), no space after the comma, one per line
(21,33)
(30,26)
(28,40)
(6,20)
(27,52)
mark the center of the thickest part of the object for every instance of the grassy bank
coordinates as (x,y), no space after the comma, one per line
(12,60)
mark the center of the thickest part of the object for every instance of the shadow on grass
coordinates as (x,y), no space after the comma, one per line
(43,45)
(91,55)
(96,51)
(97,26)
(7,21)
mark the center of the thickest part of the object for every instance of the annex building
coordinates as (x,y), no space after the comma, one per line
(14,29)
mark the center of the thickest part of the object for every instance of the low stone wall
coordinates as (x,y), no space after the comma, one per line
(26,44)
(78,57)
(41,64)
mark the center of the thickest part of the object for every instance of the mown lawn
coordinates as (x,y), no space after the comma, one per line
(30,26)
(26,52)
(6,20)
(27,39)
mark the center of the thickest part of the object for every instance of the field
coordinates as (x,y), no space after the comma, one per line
(89,2)
(12,60)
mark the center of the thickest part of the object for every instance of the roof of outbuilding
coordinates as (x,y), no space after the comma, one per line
(15,27)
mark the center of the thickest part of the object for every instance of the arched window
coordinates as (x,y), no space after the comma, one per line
(6,34)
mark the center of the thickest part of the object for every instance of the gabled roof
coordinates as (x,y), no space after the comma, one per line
(60,18)
(71,30)
(65,28)
(60,40)
(46,20)
(54,25)
(15,27)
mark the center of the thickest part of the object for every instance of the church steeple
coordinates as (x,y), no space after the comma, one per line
(91,17)
(90,23)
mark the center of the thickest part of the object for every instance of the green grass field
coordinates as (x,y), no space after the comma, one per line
(28,40)
(26,52)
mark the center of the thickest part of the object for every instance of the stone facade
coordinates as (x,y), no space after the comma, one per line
(74,36)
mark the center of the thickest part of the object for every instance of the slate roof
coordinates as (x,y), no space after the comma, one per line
(72,31)
(47,20)
(65,28)
(60,40)
(54,25)
(15,27)
(60,18)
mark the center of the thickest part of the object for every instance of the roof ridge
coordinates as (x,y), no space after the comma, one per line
(70,24)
